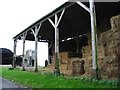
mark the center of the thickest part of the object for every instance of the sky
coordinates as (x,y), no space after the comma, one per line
(16,15)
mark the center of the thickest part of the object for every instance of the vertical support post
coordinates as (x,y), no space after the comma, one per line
(35,33)
(48,55)
(55,25)
(57,71)
(23,61)
(36,48)
(77,43)
(94,41)
(14,57)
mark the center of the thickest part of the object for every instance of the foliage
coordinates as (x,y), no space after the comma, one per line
(48,80)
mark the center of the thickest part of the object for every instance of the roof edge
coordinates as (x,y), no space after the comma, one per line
(44,18)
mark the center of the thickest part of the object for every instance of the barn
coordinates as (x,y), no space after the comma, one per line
(83,39)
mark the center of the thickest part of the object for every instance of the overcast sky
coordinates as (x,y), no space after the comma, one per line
(16,15)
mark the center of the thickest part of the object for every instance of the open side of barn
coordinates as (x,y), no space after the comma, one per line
(74,48)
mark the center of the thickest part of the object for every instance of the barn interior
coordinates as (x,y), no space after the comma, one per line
(75,28)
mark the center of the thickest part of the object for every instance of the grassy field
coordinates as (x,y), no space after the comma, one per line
(38,80)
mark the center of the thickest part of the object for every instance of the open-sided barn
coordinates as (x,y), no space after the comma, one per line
(71,31)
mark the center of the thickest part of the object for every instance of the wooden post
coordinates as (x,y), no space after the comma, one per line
(57,70)
(77,43)
(91,10)
(14,56)
(94,41)
(23,61)
(48,54)
(35,33)
(55,25)
(36,47)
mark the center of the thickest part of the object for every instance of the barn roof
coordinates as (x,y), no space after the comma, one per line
(75,20)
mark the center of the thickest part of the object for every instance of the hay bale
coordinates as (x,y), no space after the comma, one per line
(108,55)
(64,57)
(110,40)
(63,67)
(115,22)
(87,51)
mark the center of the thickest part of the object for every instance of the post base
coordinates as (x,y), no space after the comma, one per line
(23,69)
(95,74)
(36,70)
(56,72)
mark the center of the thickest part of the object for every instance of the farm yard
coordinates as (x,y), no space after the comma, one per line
(81,54)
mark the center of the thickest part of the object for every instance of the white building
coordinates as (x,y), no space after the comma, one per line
(30,57)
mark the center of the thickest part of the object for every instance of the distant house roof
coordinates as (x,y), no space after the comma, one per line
(75,20)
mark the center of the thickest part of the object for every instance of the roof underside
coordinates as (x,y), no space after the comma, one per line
(75,20)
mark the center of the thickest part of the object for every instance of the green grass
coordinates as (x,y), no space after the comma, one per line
(37,80)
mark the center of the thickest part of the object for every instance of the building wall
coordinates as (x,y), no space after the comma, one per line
(30,57)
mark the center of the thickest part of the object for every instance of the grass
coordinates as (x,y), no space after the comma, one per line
(38,80)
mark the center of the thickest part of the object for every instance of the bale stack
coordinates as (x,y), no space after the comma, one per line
(108,55)
(63,68)
(88,66)
(65,64)
(71,66)
(115,22)
(50,68)
(64,57)
(110,41)
(87,51)
(108,52)
(87,57)
(78,67)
